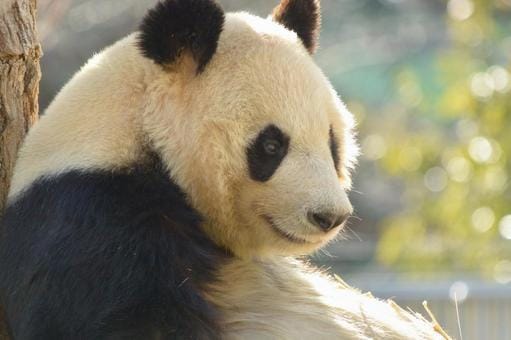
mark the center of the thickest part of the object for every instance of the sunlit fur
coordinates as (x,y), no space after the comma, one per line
(121,104)
(284,299)
(202,126)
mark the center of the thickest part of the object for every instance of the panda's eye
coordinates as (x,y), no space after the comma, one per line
(272,147)
(266,152)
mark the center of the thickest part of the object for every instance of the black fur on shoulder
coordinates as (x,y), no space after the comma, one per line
(174,26)
(102,255)
(302,17)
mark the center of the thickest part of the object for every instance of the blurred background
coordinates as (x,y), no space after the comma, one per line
(430,85)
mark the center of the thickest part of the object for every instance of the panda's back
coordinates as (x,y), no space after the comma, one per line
(93,122)
(106,252)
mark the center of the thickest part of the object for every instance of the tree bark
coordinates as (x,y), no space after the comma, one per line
(19,81)
(19,88)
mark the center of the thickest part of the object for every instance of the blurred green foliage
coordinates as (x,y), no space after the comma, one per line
(444,133)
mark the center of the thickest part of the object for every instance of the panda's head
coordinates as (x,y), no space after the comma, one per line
(247,123)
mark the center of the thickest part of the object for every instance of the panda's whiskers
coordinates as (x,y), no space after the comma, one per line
(324,252)
(352,232)
(347,230)
(357,192)
(355,217)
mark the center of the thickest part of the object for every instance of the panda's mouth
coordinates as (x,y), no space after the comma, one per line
(282,233)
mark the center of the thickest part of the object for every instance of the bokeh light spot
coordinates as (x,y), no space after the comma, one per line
(458,291)
(505,227)
(482,85)
(501,78)
(480,149)
(459,169)
(436,179)
(460,9)
(502,272)
(483,219)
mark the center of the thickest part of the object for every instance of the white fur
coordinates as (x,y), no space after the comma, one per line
(285,299)
(121,103)
(93,123)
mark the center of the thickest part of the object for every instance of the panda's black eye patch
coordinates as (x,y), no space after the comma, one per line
(334,148)
(266,152)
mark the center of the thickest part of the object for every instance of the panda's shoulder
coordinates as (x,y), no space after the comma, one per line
(141,190)
(127,233)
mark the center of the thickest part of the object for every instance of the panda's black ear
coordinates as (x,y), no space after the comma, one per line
(176,26)
(302,17)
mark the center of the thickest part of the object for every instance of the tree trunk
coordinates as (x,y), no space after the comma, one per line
(19,81)
(19,87)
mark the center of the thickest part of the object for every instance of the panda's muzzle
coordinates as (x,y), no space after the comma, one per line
(282,233)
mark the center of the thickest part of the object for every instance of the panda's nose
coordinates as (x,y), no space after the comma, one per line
(327,221)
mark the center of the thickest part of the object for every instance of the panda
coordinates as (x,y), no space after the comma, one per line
(171,187)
